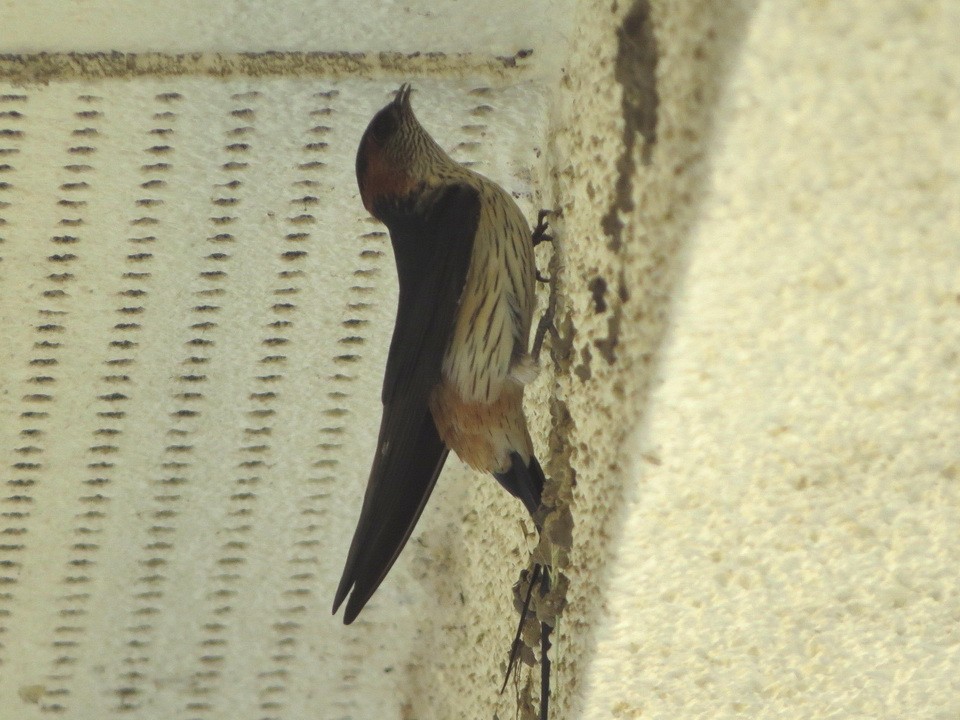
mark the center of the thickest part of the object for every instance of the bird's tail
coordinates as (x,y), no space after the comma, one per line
(523,481)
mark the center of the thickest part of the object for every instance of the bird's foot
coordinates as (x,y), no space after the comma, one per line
(544,326)
(540,231)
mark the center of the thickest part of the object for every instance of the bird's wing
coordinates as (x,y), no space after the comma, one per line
(432,248)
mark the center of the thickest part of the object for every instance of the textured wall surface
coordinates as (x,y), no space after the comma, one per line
(750,401)
(759,381)
(196,311)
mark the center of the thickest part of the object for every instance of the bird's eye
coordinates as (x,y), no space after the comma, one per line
(384,124)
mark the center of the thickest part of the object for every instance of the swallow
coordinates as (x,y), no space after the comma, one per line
(458,359)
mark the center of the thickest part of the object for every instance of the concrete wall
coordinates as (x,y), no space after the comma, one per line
(749,406)
(756,386)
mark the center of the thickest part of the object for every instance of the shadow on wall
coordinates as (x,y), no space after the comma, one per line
(619,268)
(626,161)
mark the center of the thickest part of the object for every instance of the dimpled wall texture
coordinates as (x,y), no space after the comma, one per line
(196,314)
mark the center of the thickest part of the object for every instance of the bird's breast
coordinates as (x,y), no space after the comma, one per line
(481,434)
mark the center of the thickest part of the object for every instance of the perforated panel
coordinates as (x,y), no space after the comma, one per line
(195,315)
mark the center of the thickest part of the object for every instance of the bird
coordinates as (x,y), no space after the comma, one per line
(458,360)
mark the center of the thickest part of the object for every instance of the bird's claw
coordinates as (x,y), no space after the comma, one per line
(540,231)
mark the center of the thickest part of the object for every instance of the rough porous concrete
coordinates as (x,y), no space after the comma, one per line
(751,402)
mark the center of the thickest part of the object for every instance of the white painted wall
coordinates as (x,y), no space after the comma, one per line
(753,384)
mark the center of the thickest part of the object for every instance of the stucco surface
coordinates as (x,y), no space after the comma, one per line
(766,497)
(749,403)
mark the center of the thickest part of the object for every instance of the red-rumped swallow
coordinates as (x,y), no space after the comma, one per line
(458,360)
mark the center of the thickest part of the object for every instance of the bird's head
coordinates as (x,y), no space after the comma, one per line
(396,154)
